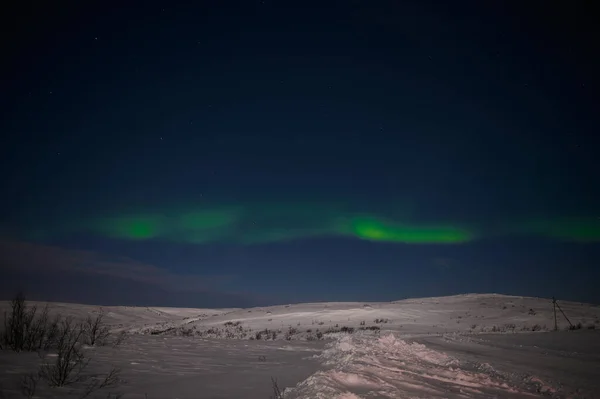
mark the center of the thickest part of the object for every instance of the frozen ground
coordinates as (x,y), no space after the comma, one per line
(185,368)
(490,346)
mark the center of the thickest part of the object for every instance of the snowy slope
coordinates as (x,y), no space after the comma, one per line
(466,313)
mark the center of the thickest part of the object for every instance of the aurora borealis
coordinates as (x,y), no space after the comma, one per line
(322,152)
(256,225)
(252,225)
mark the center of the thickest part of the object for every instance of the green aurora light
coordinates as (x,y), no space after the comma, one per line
(264,223)
(130,227)
(259,223)
(575,229)
(376,230)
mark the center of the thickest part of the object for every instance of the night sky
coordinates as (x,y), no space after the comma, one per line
(238,153)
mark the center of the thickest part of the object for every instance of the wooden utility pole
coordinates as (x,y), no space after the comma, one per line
(554,307)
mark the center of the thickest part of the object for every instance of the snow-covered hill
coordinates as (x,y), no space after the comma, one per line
(464,346)
(473,313)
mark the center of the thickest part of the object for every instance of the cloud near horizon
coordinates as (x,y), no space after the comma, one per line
(27,261)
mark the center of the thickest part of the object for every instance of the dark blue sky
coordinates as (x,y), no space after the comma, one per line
(272,151)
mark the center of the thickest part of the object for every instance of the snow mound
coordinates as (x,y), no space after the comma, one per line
(389,367)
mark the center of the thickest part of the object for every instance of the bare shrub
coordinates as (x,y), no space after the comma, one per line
(290,333)
(15,324)
(71,362)
(95,332)
(70,359)
(25,329)
(35,328)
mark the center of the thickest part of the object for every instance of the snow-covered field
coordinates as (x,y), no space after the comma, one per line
(466,346)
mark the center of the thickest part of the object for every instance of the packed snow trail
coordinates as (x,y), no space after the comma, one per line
(388,367)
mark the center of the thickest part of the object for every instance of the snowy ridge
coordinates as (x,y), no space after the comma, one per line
(389,367)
